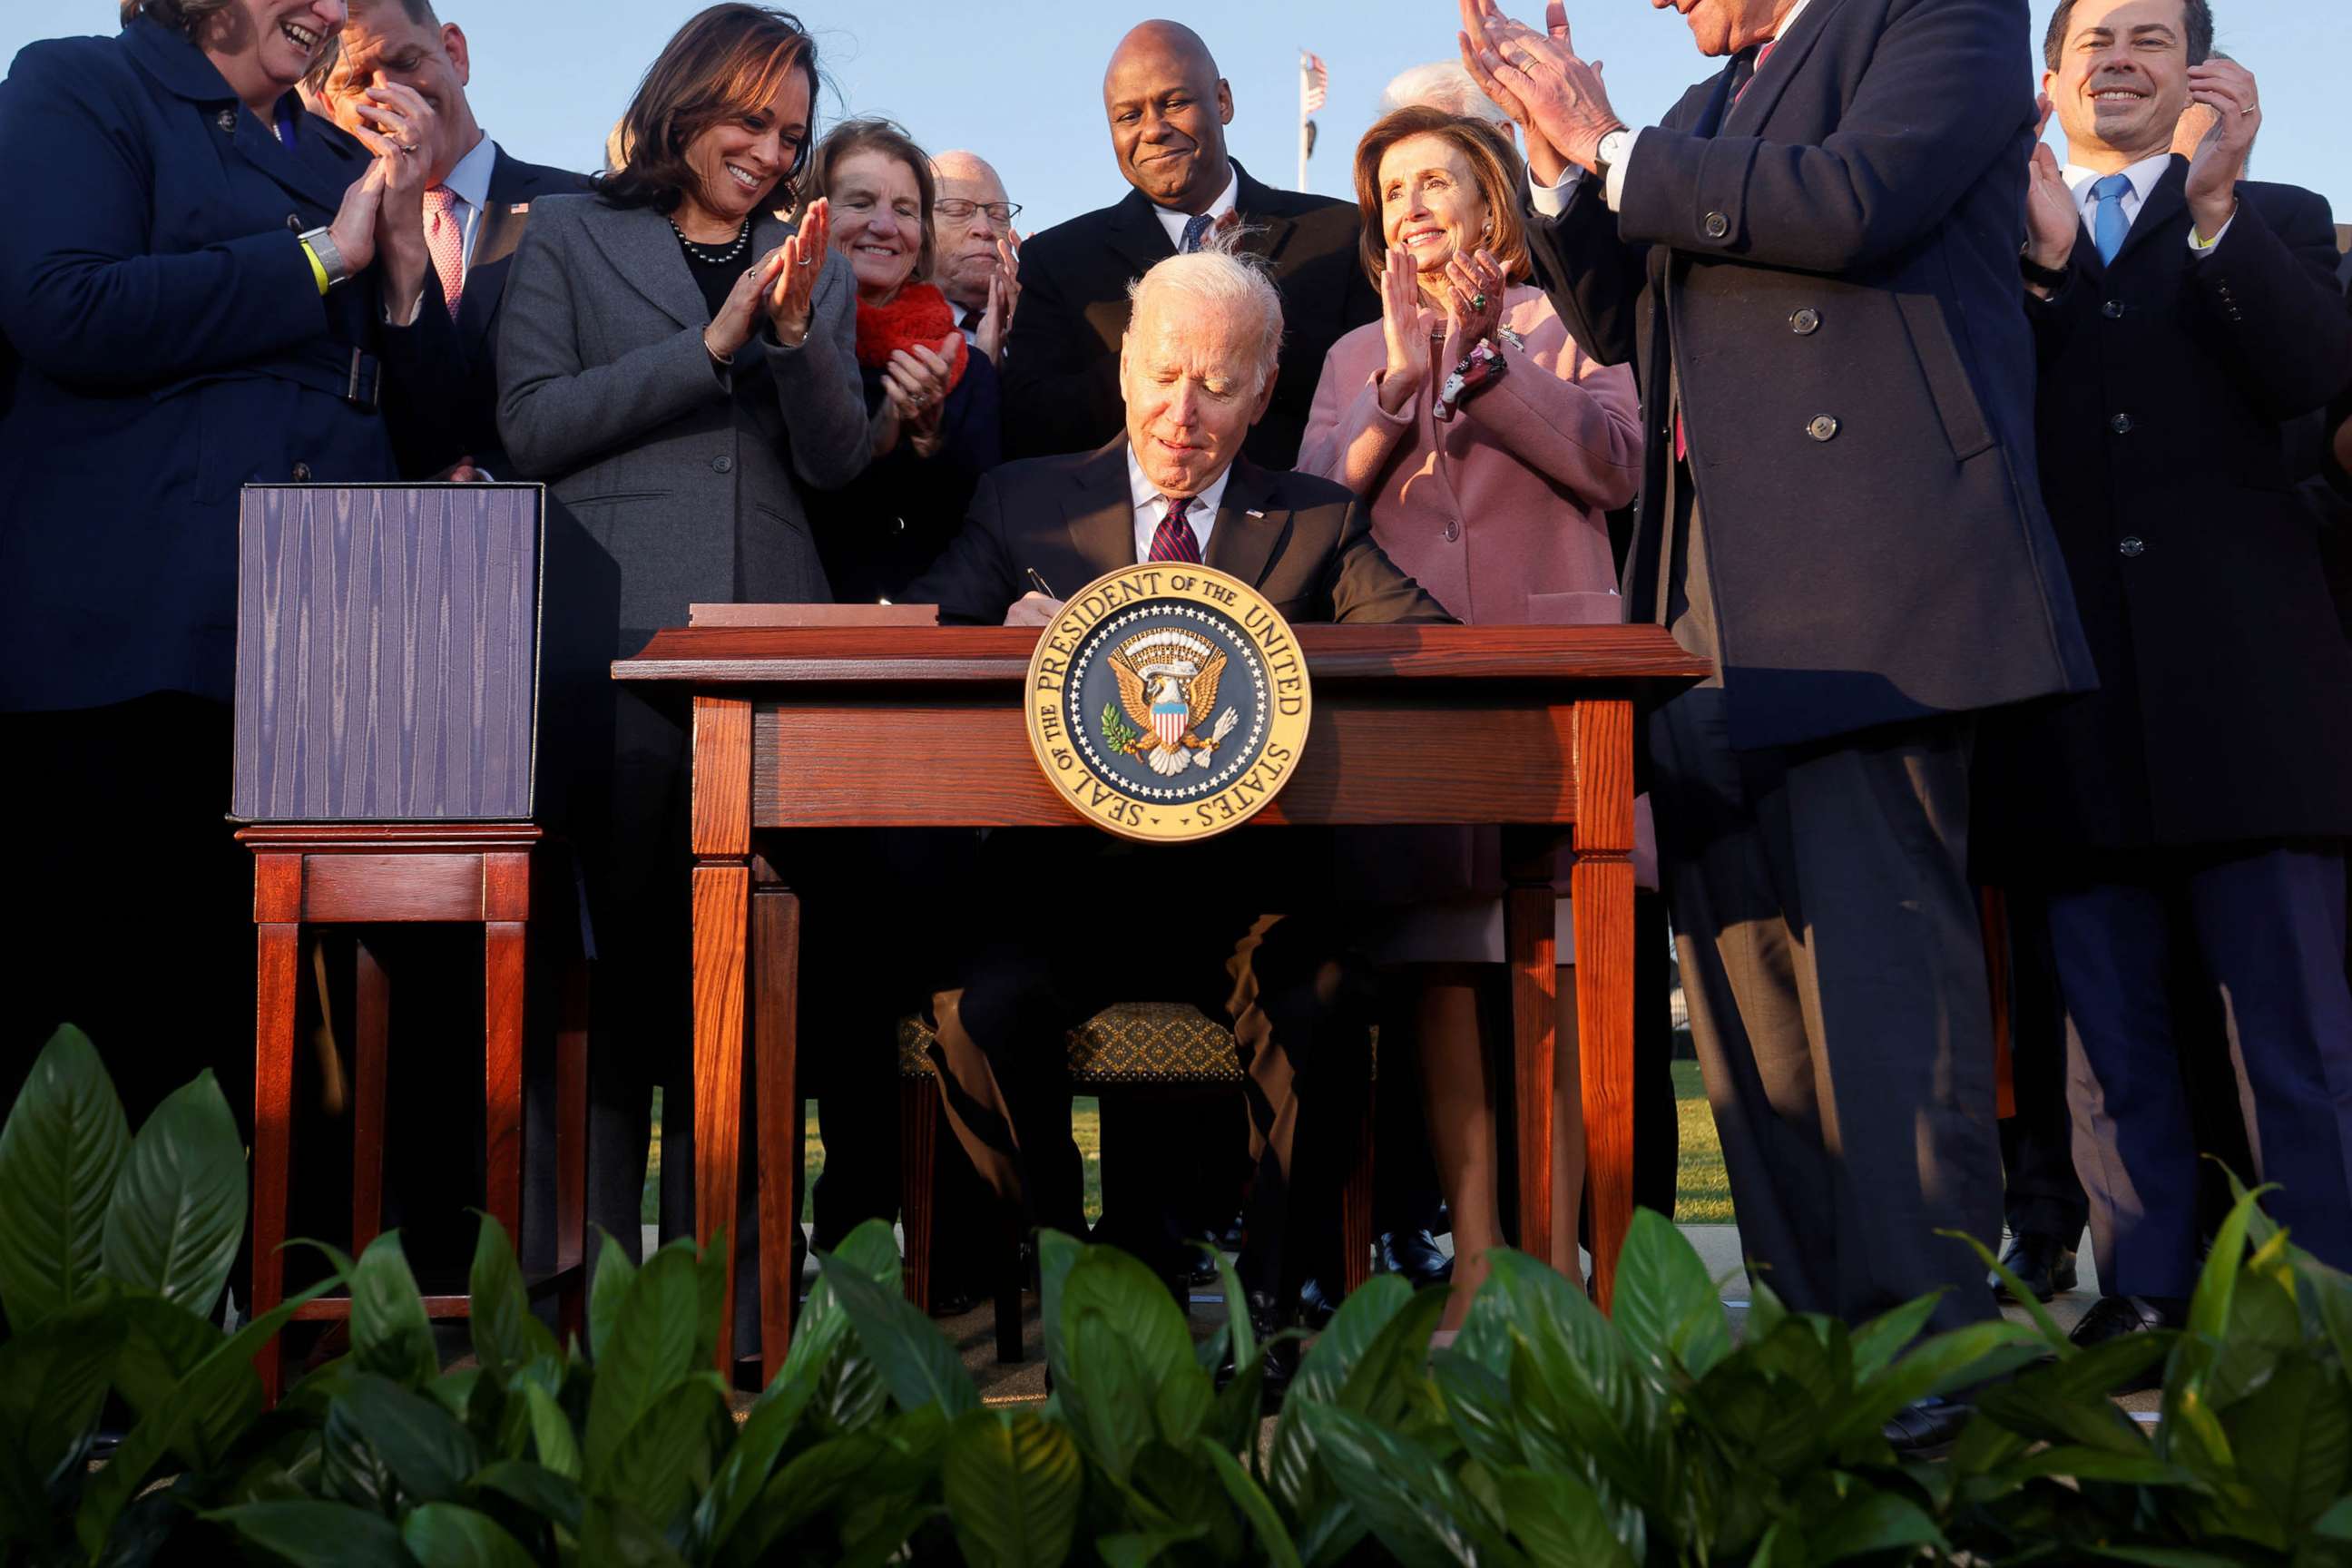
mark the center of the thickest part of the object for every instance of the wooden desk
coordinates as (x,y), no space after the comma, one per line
(1529,728)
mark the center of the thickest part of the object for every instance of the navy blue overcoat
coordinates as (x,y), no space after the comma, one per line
(169,346)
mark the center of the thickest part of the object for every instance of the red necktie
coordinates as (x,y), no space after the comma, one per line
(1682,437)
(1173,539)
(445,241)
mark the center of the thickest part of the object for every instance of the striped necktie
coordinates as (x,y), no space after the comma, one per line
(1173,539)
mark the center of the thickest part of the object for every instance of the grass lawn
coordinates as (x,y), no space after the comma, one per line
(1702,1196)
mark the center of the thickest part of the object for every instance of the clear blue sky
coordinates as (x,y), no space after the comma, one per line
(1020,83)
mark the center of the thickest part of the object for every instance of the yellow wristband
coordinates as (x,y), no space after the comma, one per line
(318,268)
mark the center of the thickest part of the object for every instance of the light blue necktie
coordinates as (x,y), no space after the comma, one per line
(1196,229)
(2109,228)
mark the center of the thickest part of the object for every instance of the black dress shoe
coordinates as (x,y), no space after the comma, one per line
(2042,1264)
(2113,1317)
(1416,1255)
(953,1302)
(1926,1429)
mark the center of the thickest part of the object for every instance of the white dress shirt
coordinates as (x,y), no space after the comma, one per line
(470,182)
(1173,221)
(1549,199)
(1152,507)
(2143,176)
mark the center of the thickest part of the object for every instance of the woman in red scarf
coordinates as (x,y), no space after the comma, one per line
(934,404)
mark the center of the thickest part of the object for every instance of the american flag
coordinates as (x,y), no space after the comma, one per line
(1318,80)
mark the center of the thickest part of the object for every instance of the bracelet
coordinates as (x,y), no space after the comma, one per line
(716,357)
(327,263)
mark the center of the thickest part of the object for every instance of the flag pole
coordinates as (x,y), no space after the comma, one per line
(1305,144)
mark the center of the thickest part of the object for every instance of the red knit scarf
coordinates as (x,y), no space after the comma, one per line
(919,316)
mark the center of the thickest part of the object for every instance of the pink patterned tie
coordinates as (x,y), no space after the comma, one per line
(1174,539)
(444,240)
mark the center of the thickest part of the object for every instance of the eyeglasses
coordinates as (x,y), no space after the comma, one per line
(959,211)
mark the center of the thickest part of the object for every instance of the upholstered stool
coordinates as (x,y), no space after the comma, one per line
(1133,1050)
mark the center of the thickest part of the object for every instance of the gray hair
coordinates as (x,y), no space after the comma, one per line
(1220,278)
(1441,84)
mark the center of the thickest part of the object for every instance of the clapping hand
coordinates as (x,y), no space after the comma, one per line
(1003,297)
(2051,221)
(1408,343)
(1537,79)
(1474,303)
(789,289)
(915,386)
(738,317)
(2228,89)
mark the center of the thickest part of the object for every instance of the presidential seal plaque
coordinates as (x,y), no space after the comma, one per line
(1167,702)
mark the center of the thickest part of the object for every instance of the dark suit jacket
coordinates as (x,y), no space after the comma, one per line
(1831,269)
(2224,712)
(172,346)
(470,423)
(1072,520)
(1061,368)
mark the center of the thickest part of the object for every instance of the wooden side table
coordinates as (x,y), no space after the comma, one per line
(448,873)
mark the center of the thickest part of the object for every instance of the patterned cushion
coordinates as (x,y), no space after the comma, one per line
(1133,1042)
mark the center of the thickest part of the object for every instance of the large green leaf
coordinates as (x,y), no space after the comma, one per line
(1878,1342)
(1559,1520)
(1412,1503)
(748,1464)
(535,1489)
(426,1450)
(446,1535)
(913,1354)
(608,1287)
(806,1487)
(615,1535)
(179,1203)
(1264,1519)
(1114,1407)
(1323,1373)
(162,1343)
(1133,1300)
(327,1534)
(2294,1440)
(53,1380)
(648,1348)
(389,1332)
(666,1458)
(2209,1307)
(1012,1484)
(1976,1353)
(506,1336)
(1479,1403)
(1871,1523)
(1056,1254)
(220,1390)
(1666,1306)
(59,1153)
(550,1432)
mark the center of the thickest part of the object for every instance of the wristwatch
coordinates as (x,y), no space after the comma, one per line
(1612,151)
(321,244)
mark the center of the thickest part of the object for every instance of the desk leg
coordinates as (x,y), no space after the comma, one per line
(721,882)
(775,1059)
(1602,889)
(371,1035)
(1529,908)
(505,953)
(280,943)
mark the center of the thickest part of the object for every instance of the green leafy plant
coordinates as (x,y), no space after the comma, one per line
(1546,1434)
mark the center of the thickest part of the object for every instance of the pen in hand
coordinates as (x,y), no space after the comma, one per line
(1039,583)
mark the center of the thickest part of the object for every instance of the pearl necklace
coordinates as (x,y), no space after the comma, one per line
(708,257)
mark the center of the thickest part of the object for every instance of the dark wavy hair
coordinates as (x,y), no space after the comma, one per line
(1492,160)
(725,62)
(2197,16)
(891,140)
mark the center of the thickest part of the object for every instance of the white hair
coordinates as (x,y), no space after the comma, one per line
(1216,277)
(1441,84)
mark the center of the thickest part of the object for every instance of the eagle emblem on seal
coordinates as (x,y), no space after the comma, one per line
(1168,686)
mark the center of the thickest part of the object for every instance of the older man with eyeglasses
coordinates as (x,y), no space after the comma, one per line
(978,255)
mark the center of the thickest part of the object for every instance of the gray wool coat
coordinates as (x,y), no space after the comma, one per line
(687,477)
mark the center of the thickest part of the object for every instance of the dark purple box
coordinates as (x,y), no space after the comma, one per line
(387,652)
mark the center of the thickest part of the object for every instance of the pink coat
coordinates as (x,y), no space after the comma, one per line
(1501,514)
